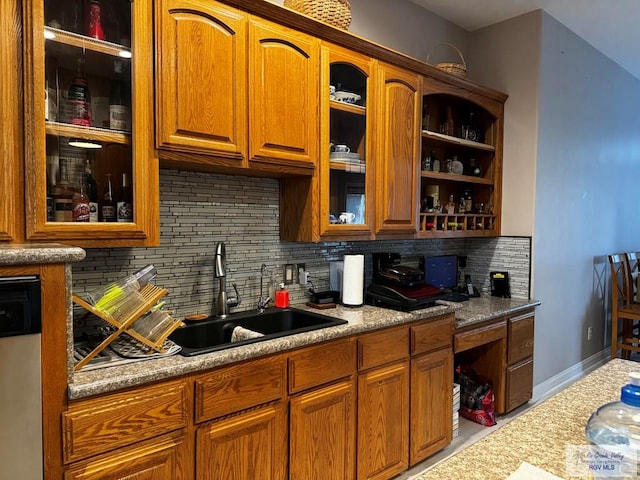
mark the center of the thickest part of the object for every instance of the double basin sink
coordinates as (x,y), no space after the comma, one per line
(213,333)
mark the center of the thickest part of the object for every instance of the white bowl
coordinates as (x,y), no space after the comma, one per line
(347,97)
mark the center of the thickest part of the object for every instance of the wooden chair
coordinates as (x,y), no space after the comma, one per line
(632,267)
(624,312)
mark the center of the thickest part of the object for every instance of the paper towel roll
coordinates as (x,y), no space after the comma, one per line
(353,280)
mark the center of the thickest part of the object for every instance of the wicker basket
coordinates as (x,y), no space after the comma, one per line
(333,12)
(457,69)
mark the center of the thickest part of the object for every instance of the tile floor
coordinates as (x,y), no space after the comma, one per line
(469,433)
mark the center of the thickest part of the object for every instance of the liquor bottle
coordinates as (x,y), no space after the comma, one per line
(472,132)
(63,196)
(119,104)
(94,20)
(125,204)
(435,161)
(450,207)
(427,161)
(447,127)
(80,204)
(108,203)
(79,98)
(92,192)
(474,168)
(468,202)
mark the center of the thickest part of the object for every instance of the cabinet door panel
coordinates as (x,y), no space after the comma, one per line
(157,460)
(249,446)
(397,175)
(519,384)
(323,433)
(431,404)
(283,96)
(383,422)
(201,62)
(520,335)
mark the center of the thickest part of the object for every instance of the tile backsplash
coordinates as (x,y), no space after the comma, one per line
(197,210)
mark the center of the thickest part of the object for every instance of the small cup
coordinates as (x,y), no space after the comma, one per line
(332,92)
(347,217)
(341,149)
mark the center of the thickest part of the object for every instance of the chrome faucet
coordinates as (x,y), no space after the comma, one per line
(220,271)
(264,300)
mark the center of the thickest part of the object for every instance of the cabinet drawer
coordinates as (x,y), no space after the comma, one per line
(432,335)
(520,335)
(102,424)
(244,385)
(382,347)
(519,384)
(321,364)
(479,336)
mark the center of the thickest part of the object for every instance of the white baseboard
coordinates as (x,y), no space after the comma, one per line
(563,379)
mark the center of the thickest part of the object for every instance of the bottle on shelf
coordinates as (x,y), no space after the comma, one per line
(474,168)
(450,207)
(462,204)
(471,131)
(80,204)
(427,161)
(79,98)
(94,20)
(119,104)
(426,118)
(447,126)
(435,163)
(449,165)
(124,207)
(108,207)
(63,196)
(468,202)
(92,192)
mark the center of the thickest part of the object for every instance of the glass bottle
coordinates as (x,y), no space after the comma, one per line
(474,168)
(449,124)
(124,207)
(63,196)
(427,161)
(94,20)
(80,204)
(108,207)
(79,98)
(468,202)
(119,104)
(450,207)
(92,192)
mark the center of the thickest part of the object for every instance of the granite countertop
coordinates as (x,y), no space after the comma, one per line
(92,382)
(38,253)
(540,435)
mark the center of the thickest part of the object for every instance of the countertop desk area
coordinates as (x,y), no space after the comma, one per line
(540,435)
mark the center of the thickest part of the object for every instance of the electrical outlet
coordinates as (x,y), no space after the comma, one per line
(288,273)
(589,333)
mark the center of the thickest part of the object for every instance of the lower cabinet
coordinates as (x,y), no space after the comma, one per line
(161,459)
(359,407)
(383,421)
(323,433)
(519,372)
(431,425)
(250,445)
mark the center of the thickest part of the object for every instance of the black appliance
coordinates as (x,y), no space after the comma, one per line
(500,286)
(397,286)
(19,306)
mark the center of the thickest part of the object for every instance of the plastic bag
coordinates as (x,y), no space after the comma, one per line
(476,396)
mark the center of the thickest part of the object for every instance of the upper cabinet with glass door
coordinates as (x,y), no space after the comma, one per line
(90,169)
(347,154)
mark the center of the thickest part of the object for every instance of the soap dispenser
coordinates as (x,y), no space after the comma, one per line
(282,297)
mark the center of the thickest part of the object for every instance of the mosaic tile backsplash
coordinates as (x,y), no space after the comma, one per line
(197,210)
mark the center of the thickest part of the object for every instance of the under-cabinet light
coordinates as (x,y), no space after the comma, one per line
(124,53)
(81,143)
(49,35)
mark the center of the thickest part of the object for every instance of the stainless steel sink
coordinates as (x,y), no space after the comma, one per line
(214,333)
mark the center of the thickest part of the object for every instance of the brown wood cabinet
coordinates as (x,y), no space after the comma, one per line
(431,400)
(323,433)
(53,165)
(461,157)
(201,79)
(397,152)
(256,101)
(251,445)
(383,403)
(12,207)
(164,458)
(519,373)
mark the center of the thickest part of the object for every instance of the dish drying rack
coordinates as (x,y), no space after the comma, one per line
(150,294)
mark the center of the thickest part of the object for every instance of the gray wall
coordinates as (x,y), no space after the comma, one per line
(571,153)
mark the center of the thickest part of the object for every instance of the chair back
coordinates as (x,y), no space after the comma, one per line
(619,280)
(632,268)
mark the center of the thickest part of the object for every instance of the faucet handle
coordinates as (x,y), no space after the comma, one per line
(234,301)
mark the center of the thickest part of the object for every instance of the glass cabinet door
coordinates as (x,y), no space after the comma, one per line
(89,169)
(346,144)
